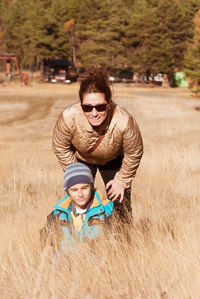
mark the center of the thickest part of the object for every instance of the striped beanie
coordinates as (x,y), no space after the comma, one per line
(77,173)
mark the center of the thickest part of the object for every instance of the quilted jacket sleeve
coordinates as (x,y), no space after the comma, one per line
(61,143)
(133,151)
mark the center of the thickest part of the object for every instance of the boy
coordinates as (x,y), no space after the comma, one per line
(80,215)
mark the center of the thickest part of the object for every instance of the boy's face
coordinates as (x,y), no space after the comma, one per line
(80,194)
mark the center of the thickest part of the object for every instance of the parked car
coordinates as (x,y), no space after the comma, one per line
(60,77)
(149,78)
(59,71)
(118,75)
(158,78)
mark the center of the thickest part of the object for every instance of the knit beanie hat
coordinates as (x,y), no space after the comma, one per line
(77,173)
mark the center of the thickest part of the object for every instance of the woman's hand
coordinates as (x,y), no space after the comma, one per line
(115,190)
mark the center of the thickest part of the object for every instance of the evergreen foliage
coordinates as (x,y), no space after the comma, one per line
(192,58)
(3,7)
(157,36)
(147,36)
(35,30)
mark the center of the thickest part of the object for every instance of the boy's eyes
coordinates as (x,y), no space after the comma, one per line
(84,188)
(76,189)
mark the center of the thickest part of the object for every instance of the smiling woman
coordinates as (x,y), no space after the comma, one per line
(103,136)
(95,108)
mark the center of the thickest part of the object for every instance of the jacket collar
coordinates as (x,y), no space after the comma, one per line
(63,204)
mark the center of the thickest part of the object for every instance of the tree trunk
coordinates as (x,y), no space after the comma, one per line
(42,70)
(165,82)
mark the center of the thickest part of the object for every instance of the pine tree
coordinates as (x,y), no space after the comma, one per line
(174,32)
(157,36)
(192,57)
(99,30)
(3,7)
(146,35)
(36,30)
(141,39)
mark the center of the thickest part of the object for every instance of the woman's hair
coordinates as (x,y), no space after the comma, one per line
(96,80)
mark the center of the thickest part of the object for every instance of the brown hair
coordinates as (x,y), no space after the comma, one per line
(96,80)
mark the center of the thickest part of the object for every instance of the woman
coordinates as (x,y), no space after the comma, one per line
(102,135)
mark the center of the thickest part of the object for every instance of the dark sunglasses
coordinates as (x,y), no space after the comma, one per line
(99,108)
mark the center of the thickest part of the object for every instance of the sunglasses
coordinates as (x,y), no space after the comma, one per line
(99,108)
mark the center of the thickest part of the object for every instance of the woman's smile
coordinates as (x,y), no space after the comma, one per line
(95,117)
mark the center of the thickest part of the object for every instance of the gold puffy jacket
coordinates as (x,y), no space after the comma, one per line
(73,137)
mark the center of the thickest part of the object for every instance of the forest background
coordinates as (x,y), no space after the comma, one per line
(145,36)
(163,257)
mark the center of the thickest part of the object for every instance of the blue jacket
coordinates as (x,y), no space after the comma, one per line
(92,226)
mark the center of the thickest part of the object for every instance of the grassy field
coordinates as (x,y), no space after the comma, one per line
(163,258)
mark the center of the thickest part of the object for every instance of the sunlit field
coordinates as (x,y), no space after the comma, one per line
(162,259)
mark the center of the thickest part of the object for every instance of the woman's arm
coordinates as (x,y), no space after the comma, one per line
(133,150)
(61,143)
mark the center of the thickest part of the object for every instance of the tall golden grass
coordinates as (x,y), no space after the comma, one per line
(162,259)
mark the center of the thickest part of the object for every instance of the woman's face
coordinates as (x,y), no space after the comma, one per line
(95,107)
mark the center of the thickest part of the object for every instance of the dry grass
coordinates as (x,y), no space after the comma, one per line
(163,257)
